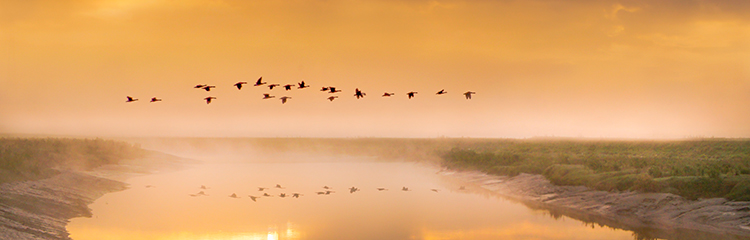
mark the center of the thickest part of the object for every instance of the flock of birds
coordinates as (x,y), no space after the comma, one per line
(301,85)
(325,191)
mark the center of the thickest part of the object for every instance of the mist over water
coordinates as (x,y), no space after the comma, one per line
(159,206)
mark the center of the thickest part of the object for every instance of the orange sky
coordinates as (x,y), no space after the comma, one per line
(614,69)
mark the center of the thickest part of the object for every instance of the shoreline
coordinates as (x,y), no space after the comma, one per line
(41,209)
(651,215)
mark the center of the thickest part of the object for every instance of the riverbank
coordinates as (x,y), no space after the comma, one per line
(40,209)
(655,215)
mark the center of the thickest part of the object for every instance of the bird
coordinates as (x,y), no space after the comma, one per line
(149,186)
(329,192)
(441,92)
(271,86)
(302,85)
(233,196)
(208,99)
(468,94)
(279,186)
(324,89)
(208,88)
(267,96)
(404,189)
(331,98)
(434,190)
(154,99)
(201,193)
(131,99)
(333,90)
(387,94)
(296,195)
(252,197)
(239,85)
(259,82)
(200,85)
(326,187)
(288,87)
(320,193)
(282,195)
(203,187)
(411,94)
(261,188)
(267,195)
(284,99)
(358,93)
(382,189)
(353,189)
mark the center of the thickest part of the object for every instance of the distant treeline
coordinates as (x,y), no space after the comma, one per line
(33,158)
(691,168)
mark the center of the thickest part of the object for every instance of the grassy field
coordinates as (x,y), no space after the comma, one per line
(33,158)
(702,168)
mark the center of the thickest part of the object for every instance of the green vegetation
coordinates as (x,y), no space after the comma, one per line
(693,168)
(25,159)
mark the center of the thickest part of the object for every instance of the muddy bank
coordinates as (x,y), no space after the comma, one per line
(649,215)
(41,209)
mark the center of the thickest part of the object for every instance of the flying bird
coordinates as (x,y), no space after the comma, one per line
(320,193)
(279,186)
(200,85)
(323,89)
(359,94)
(203,187)
(271,86)
(353,189)
(233,196)
(332,97)
(411,94)
(441,92)
(404,189)
(387,94)
(282,195)
(326,187)
(296,195)
(208,88)
(131,99)
(208,99)
(267,96)
(302,85)
(382,189)
(239,85)
(468,94)
(333,90)
(262,188)
(253,197)
(434,190)
(284,99)
(154,99)
(267,195)
(201,193)
(288,87)
(329,192)
(259,82)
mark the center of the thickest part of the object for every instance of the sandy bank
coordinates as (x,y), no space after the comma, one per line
(41,209)
(655,215)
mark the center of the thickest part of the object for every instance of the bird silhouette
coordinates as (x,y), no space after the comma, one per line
(208,88)
(131,99)
(284,99)
(154,99)
(282,195)
(411,94)
(262,188)
(333,90)
(288,87)
(204,187)
(320,193)
(208,99)
(387,94)
(468,94)
(267,195)
(259,82)
(353,189)
(200,85)
(296,195)
(239,85)
(253,198)
(331,98)
(279,186)
(434,190)
(201,193)
(326,187)
(441,92)
(404,189)
(267,96)
(358,93)
(329,192)
(302,85)
(324,89)
(233,196)
(271,86)
(382,189)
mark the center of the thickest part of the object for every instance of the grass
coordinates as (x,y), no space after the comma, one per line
(703,168)
(34,158)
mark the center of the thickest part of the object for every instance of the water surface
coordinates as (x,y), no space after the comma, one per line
(159,206)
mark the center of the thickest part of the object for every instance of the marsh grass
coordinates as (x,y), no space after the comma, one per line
(694,169)
(33,158)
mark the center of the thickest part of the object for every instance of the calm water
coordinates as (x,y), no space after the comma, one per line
(167,211)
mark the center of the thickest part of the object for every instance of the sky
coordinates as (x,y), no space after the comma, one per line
(540,68)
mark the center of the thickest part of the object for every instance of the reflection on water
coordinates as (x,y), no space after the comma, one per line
(167,211)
